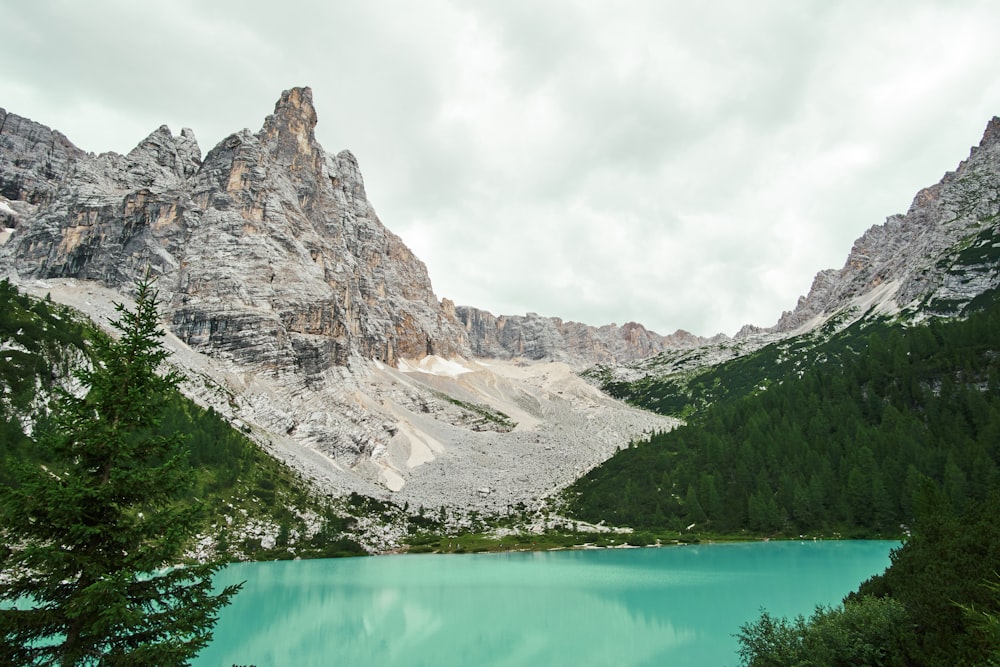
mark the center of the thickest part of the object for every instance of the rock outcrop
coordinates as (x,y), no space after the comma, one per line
(267,251)
(532,336)
(34,160)
(937,257)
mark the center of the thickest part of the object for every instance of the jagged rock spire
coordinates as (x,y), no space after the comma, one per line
(290,129)
(992,133)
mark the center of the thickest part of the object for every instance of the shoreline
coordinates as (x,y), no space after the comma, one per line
(471,544)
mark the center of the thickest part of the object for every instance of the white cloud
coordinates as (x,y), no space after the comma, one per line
(685,165)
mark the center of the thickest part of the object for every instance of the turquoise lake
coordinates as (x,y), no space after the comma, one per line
(666,606)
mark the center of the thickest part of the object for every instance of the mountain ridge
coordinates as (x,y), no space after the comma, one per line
(233,175)
(907,247)
(309,316)
(303,316)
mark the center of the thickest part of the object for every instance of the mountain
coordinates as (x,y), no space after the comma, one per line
(295,311)
(831,422)
(268,249)
(937,260)
(297,315)
(532,336)
(839,445)
(257,505)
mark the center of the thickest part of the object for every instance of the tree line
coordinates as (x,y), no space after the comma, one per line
(837,445)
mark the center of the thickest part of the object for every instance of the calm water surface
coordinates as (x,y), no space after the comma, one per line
(669,606)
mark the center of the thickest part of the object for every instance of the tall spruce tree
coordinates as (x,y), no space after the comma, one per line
(93,535)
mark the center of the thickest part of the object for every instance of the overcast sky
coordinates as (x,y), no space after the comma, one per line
(681,164)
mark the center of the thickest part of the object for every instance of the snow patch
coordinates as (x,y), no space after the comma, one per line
(434,365)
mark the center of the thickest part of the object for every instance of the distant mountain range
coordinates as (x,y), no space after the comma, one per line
(296,312)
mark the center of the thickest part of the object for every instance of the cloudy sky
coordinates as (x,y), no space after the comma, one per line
(682,164)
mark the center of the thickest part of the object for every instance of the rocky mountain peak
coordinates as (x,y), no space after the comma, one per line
(34,159)
(935,258)
(267,250)
(294,110)
(290,130)
(345,174)
(992,134)
(180,155)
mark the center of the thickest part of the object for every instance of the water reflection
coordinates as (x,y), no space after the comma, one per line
(641,607)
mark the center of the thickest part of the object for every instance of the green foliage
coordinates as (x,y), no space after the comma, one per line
(870,631)
(944,573)
(983,624)
(92,523)
(38,344)
(331,540)
(469,542)
(230,476)
(839,446)
(937,604)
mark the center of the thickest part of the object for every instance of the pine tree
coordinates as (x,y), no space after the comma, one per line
(94,538)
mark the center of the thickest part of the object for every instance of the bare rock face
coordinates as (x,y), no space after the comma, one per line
(34,162)
(936,258)
(535,337)
(267,251)
(34,159)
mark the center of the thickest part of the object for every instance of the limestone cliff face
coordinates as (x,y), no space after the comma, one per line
(34,160)
(266,251)
(935,259)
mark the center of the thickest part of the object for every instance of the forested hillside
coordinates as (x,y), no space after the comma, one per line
(938,604)
(245,495)
(39,343)
(835,437)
